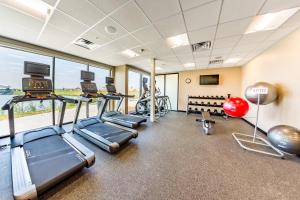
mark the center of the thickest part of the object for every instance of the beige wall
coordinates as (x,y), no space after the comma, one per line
(230,83)
(121,80)
(279,65)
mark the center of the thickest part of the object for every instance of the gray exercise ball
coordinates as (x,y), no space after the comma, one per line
(285,138)
(264,98)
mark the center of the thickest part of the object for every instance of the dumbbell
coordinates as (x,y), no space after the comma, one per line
(215,104)
(215,111)
(190,102)
(222,112)
(208,103)
(202,109)
(202,103)
(217,97)
(196,102)
(208,110)
(221,104)
(222,97)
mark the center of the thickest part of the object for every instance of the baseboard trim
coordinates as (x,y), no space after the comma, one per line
(248,122)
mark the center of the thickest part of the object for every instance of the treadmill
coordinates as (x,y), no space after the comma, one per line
(107,136)
(116,117)
(40,158)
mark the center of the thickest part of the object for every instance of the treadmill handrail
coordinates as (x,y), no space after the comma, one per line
(23,98)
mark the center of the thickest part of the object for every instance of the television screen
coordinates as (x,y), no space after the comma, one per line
(209,79)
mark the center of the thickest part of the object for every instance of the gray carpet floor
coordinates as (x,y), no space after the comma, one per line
(173,159)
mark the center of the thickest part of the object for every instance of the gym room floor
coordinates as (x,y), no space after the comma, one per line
(173,159)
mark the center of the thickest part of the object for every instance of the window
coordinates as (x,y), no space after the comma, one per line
(67,83)
(11,74)
(134,88)
(100,75)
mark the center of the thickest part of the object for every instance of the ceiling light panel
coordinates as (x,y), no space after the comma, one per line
(178,40)
(36,8)
(130,53)
(189,65)
(232,60)
(270,21)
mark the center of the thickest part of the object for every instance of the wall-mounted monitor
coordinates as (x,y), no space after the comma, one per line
(212,79)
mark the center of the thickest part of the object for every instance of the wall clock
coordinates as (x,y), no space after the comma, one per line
(188,80)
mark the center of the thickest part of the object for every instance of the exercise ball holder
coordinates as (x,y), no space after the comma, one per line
(255,139)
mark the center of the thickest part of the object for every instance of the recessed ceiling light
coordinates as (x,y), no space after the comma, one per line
(36,8)
(158,68)
(178,40)
(270,21)
(110,29)
(232,60)
(188,65)
(130,53)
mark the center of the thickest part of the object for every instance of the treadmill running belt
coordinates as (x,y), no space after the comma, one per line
(49,160)
(128,118)
(110,133)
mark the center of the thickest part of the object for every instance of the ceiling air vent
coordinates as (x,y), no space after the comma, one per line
(201,46)
(85,44)
(216,61)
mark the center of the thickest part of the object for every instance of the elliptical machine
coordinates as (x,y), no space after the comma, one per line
(162,103)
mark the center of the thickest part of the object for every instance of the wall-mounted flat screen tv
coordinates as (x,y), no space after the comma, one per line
(209,79)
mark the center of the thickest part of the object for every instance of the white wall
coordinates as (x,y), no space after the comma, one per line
(279,65)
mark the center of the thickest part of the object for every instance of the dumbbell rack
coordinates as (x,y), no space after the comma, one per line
(212,103)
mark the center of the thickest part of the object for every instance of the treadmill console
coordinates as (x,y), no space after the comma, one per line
(36,84)
(145,86)
(87,76)
(87,86)
(110,87)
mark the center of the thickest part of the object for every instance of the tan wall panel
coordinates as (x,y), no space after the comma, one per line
(230,83)
(279,65)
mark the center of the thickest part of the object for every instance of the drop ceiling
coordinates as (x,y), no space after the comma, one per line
(145,24)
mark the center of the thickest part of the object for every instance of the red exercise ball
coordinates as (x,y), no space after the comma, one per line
(236,107)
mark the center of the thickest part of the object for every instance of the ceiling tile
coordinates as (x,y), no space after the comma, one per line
(237,9)
(96,37)
(160,48)
(169,59)
(255,37)
(171,26)
(203,16)
(127,42)
(147,34)
(18,26)
(187,58)
(108,6)
(183,50)
(206,34)
(201,54)
(109,22)
(202,61)
(280,33)
(130,17)
(158,9)
(244,48)
(222,51)
(53,37)
(226,42)
(104,51)
(278,5)
(237,27)
(50,2)
(187,4)
(66,23)
(294,21)
(76,50)
(83,11)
